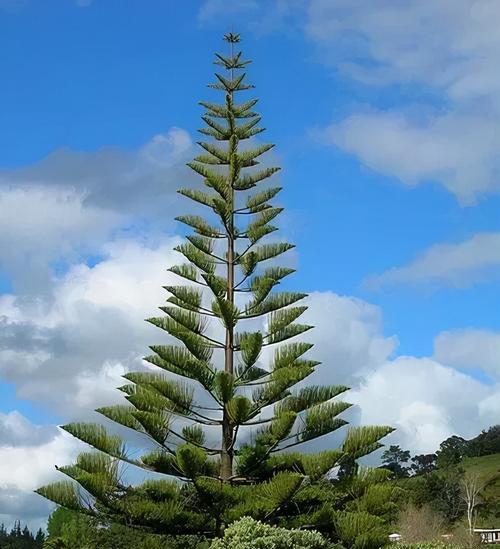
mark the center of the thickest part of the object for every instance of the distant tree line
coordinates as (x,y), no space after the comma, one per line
(451,452)
(437,480)
(20,538)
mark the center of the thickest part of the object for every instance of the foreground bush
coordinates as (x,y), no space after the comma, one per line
(360,530)
(248,533)
(420,525)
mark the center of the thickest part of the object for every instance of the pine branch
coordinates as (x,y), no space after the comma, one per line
(212,179)
(203,261)
(221,111)
(250,180)
(216,151)
(232,85)
(208,450)
(186,270)
(198,196)
(231,63)
(200,226)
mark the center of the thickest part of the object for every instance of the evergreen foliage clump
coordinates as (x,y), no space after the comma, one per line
(72,530)
(223,409)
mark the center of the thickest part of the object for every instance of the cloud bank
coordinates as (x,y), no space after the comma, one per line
(441,56)
(461,265)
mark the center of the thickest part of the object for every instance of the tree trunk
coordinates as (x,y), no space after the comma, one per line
(227,427)
(227,454)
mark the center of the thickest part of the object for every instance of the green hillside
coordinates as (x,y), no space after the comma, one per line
(488,467)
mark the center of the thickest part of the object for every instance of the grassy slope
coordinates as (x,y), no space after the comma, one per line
(488,467)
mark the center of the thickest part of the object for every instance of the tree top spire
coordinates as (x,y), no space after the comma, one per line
(232,37)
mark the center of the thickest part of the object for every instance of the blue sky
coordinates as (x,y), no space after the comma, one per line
(390,170)
(88,77)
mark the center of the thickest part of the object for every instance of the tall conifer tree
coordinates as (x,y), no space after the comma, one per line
(217,417)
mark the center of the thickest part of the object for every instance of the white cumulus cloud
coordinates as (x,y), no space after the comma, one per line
(70,353)
(73,202)
(474,260)
(28,454)
(449,50)
(424,400)
(469,348)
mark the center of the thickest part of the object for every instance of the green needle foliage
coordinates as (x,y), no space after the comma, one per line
(216,416)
